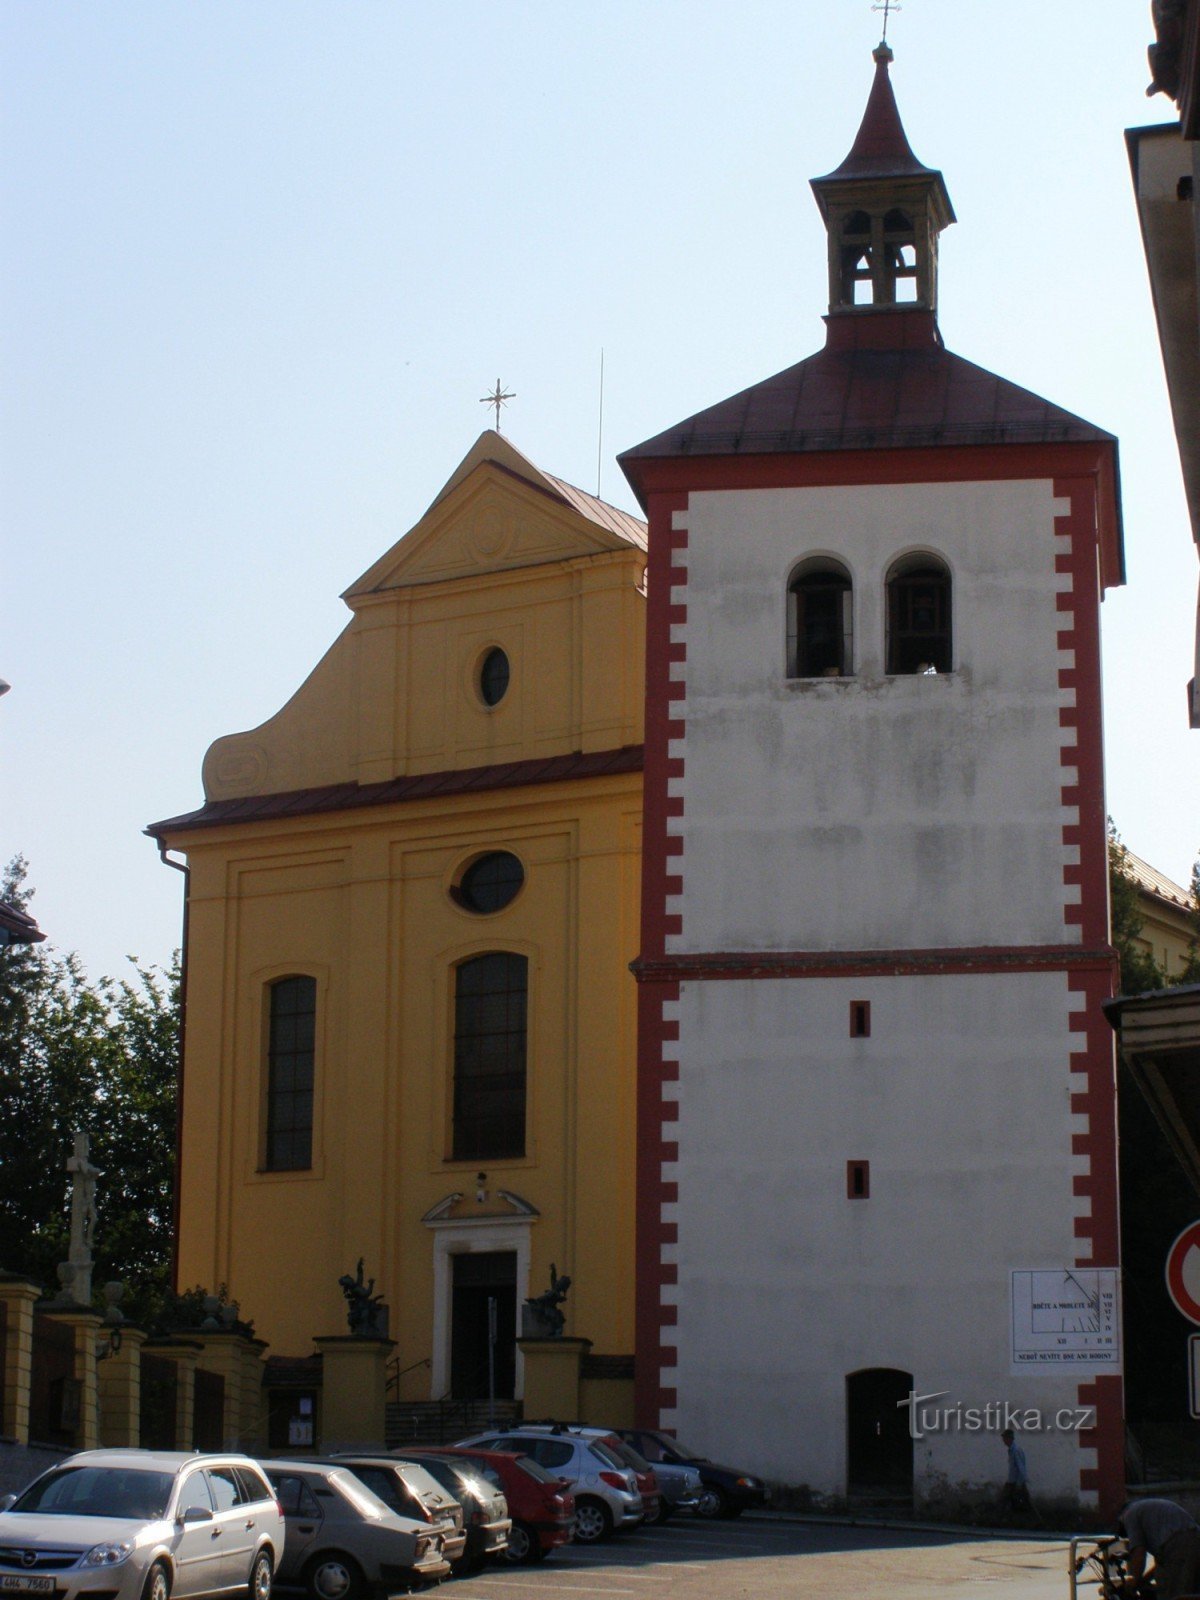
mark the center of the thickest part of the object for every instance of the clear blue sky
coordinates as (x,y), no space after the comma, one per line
(261,259)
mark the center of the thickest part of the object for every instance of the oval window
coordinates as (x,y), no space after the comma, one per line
(490,882)
(493,677)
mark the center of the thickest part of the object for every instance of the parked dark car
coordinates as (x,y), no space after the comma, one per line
(727,1490)
(413,1492)
(542,1506)
(478,1491)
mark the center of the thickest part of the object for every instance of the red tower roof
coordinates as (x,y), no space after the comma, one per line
(881,148)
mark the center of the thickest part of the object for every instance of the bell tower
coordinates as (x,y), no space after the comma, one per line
(876,1091)
(883,212)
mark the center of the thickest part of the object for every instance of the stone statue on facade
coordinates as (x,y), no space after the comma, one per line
(542,1316)
(365,1310)
(75,1273)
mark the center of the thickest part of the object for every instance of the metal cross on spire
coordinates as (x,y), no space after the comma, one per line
(498,398)
(887,7)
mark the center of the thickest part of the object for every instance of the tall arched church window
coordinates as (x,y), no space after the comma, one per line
(820,620)
(291,1055)
(920,634)
(490,1002)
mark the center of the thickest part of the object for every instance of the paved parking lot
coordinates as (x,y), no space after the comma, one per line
(756,1559)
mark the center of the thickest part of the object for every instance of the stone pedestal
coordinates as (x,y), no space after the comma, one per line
(87,1327)
(185,1353)
(17,1299)
(119,1381)
(353,1391)
(552,1377)
(238,1362)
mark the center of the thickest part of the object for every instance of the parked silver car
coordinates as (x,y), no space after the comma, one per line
(606,1492)
(679,1485)
(342,1542)
(142,1525)
(413,1492)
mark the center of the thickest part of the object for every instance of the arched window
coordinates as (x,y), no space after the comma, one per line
(878,257)
(490,996)
(820,620)
(920,638)
(291,1053)
(858,262)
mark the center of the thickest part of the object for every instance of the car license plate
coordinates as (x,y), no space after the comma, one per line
(25,1583)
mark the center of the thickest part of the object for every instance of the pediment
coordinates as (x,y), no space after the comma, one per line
(496,512)
(502,1206)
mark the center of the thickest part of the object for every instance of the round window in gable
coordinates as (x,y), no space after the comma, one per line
(489,883)
(493,677)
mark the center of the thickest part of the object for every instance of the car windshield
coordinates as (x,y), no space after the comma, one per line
(360,1497)
(535,1470)
(676,1447)
(485,1470)
(628,1455)
(450,1477)
(608,1456)
(127,1492)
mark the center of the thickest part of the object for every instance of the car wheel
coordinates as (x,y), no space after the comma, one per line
(262,1573)
(333,1576)
(664,1511)
(524,1546)
(710,1504)
(158,1583)
(593,1521)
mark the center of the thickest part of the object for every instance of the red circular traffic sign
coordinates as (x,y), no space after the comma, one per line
(1183,1272)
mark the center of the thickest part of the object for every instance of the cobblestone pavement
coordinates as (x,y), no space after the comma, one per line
(768,1560)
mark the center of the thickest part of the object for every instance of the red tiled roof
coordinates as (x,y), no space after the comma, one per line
(430,785)
(884,380)
(17,926)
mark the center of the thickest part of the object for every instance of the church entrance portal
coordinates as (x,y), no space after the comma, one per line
(481,1277)
(879,1455)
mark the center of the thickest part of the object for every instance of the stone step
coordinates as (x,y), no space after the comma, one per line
(443,1421)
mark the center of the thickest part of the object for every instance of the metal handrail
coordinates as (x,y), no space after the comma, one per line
(393,1379)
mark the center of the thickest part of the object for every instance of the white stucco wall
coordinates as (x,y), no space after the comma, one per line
(871,812)
(959,1100)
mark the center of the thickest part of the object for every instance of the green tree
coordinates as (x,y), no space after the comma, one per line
(97,1058)
(1191,972)
(1139,970)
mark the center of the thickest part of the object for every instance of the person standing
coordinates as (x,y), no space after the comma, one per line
(1164,1530)
(1015,1495)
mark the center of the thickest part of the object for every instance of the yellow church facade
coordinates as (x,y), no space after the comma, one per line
(413,899)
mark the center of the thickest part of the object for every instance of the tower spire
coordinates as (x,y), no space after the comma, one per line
(883,210)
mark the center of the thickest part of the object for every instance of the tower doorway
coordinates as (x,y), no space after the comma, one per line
(480,1277)
(879,1453)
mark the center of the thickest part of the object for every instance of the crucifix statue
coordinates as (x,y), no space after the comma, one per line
(75,1273)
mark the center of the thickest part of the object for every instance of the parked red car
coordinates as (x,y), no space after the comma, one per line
(542,1506)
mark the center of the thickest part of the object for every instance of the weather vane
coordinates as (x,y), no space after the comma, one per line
(887,7)
(497,399)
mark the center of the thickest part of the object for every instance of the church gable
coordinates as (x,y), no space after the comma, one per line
(496,513)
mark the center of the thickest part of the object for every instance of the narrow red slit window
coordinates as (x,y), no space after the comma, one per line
(858,1180)
(860,1019)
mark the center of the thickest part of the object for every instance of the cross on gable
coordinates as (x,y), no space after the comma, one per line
(497,398)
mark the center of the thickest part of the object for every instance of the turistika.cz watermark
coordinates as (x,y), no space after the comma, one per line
(997,1416)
